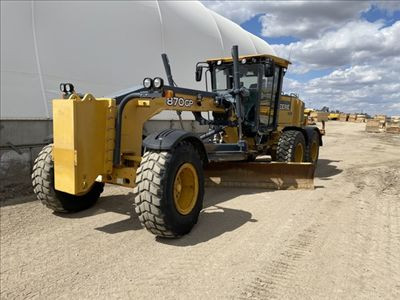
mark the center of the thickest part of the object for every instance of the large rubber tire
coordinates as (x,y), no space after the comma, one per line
(43,186)
(287,145)
(312,153)
(154,191)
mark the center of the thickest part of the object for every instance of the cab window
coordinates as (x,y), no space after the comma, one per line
(269,89)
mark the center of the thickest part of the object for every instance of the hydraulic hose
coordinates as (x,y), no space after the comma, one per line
(211,133)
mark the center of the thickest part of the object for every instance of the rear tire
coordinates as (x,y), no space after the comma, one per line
(291,147)
(43,186)
(313,148)
(157,199)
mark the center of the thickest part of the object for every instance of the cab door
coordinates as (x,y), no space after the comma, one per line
(269,99)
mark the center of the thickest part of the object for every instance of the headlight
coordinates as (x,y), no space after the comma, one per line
(147,83)
(244,61)
(158,82)
(68,88)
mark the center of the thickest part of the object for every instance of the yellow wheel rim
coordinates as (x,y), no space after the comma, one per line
(314,151)
(299,153)
(186,188)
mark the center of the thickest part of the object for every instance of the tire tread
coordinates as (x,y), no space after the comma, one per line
(151,176)
(287,145)
(43,186)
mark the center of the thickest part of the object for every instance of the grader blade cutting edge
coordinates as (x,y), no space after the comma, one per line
(274,175)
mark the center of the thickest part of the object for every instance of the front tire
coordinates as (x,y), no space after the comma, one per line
(43,186)
(291,147)
(169,190)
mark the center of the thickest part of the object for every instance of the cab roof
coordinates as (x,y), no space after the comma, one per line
(280,61)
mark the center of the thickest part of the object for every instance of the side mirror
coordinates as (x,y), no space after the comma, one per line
(269,70)
(199,73)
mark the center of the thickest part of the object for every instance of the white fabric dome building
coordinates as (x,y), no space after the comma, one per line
(103,47)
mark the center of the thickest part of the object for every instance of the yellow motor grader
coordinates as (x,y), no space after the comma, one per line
(100,140)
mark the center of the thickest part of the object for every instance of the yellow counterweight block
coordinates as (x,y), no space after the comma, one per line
(83,132)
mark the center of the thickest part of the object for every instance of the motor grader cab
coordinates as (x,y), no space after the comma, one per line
(99,140)
(259,86)
(269,116)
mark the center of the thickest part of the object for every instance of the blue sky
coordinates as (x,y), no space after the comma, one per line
(345,54)
(253,25)
(376,13)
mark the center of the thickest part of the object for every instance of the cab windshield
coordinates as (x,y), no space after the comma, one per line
(224,76)
(259,99)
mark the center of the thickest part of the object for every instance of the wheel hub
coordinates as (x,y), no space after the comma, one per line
(299,153)
(186,188)
(314,151)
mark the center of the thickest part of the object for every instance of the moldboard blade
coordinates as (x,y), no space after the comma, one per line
(273,175)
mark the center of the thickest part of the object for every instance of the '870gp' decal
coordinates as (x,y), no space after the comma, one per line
(176,101)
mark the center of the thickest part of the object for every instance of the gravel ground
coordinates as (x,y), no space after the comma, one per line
(339,241)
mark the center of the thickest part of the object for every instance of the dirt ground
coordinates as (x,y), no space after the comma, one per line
(339,241)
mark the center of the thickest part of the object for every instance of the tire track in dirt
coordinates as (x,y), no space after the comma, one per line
(375,247)
(274,277)
(368,249)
